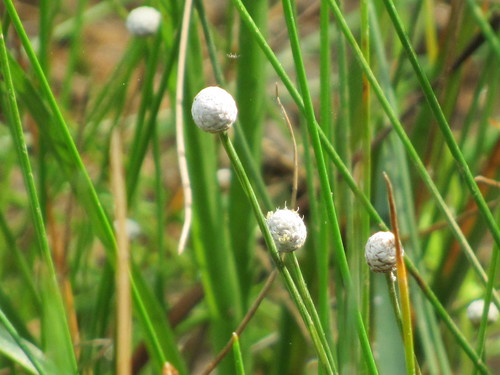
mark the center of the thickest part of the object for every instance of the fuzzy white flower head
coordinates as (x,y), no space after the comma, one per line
(380,252)
(475,312)
(287,228)
(143,21)
(214,109)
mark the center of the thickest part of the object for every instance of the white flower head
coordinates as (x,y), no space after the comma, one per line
(224,178)
(143,21)
(475,312)
(214,110)
(380,252)
(287,229)
(132,227)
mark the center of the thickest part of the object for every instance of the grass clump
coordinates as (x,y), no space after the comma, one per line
(98,136)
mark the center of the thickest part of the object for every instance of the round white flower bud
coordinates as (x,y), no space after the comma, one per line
(143,21)
(214,109)
(475,312)
(287,228)
(380,252)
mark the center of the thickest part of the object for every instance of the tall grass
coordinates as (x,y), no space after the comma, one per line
(89,138)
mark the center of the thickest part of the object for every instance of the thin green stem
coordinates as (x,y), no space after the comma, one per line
(323,251)
(485,26)
(492,273)
(366,135)
(74,53)
(141,137)
(294,293)
(310,305)
(338,247)
(139,153)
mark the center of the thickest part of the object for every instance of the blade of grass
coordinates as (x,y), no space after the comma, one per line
(251,90)
(238,359)
(362,230)
(222,289)
(322,250)
(430,31)
(485,26)
(341,138)
(74,53)
(24,268)
(338,247)
(404,290)
(492,275)
(62,129)
(40,369)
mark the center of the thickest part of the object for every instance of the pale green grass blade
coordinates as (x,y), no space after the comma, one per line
(22,352)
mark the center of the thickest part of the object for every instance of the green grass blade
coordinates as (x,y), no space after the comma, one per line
(23,353)
(238,359)
(338,246)
(250,90)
